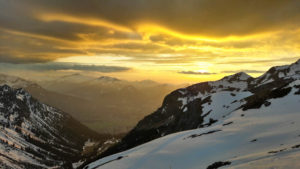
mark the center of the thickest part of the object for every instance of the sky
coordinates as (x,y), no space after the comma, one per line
(172,41)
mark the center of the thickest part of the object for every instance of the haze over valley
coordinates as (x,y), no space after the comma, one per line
(101,103)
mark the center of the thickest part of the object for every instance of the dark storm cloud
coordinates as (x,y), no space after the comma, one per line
(204,17)
(27,36)
(196,73)
(12,58)
(26,49)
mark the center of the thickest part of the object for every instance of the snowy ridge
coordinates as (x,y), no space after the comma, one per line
(34,135)
(238,113)
(278,72)
(188,108)
(238,81)
(246,139)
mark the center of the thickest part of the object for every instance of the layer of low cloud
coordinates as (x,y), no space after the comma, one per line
(196,73)
(246,71)
(55,66)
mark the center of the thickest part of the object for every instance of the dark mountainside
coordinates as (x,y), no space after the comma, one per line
(190,108)
(34,135)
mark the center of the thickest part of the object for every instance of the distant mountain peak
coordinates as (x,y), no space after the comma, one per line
(74,74)
(240,76)
(147,82)
(14,81)
(108,79)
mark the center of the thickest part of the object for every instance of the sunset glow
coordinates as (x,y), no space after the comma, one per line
(153,43)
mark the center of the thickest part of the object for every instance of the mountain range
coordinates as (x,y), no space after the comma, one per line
(235,122)
(100,103)
(35,135)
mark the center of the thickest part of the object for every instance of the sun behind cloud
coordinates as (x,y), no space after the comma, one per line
(183,41)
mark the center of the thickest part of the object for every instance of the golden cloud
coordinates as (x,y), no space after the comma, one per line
(164,33)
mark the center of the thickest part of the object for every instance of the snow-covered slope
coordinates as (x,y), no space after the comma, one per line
(238,122)
(278,72)
(256,138)
(34,135)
